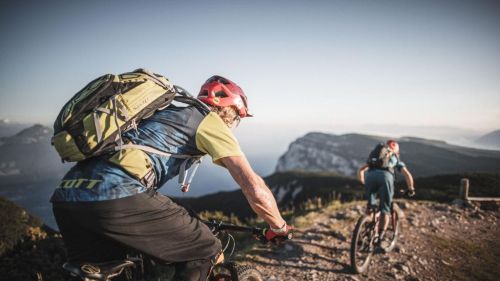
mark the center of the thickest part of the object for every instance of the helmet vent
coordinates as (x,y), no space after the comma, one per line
(220,94)
(204,93)
(223,80)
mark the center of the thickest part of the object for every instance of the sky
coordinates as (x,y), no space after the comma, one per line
(428,68)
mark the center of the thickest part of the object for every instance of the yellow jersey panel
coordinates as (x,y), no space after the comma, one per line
(216,139)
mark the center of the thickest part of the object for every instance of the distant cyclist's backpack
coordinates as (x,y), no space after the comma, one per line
(92,121)
(380,156)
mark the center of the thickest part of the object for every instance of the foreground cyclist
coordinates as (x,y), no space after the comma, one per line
(103,212)
(379,179)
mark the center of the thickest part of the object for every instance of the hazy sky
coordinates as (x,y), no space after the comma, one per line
(305,65)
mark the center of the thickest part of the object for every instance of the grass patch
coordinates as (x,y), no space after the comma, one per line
(307,218)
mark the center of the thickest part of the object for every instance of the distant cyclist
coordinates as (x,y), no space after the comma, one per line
(103,211)
(378,177)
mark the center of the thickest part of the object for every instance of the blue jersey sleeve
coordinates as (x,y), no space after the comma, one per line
(396,163)
(400,166)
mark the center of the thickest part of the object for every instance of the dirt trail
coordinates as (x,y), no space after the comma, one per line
(437,242)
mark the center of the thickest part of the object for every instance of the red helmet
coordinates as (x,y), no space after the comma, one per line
(393,145)
(219,91)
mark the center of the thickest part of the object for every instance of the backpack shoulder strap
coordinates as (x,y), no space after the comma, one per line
(185,97)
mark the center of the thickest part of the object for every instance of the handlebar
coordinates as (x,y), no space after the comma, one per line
(217,226)
(406,192)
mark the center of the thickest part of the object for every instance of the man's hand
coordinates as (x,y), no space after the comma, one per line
(278,235)
(411,191)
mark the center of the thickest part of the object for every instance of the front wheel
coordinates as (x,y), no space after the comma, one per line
(362,244)
(234,272)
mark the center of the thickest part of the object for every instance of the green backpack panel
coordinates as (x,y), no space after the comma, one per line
(92,121)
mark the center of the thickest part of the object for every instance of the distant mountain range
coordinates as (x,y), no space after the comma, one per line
(28,157)
(491,140)
(9,128)
(344,154)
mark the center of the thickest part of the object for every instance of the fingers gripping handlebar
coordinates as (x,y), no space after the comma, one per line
(407,192)
(259,233)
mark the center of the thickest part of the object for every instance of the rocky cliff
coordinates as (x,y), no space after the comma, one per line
(344,154)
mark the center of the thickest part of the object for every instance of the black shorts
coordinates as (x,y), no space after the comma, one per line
(149,223)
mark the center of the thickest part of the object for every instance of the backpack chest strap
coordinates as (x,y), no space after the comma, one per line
(185,178)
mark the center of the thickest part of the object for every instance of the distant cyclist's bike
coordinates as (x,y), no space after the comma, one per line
(365,238)
(134,269)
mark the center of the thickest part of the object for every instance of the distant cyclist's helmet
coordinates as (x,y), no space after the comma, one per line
(219,91)
(393,145)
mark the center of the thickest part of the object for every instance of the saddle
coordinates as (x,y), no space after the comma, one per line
(99,271)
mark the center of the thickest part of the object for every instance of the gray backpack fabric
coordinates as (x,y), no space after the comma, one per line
(380,157)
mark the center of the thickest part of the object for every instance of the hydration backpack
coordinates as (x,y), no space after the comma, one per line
(380,156)
(91,123)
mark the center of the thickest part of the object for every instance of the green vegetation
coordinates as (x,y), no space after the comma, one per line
(445,188)
(219,216)
(29,250)
(17,225)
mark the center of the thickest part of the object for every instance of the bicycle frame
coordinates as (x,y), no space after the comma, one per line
(376,217)
(366,233)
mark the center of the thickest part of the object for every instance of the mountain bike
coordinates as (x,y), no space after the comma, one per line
(365,238)
(136,267)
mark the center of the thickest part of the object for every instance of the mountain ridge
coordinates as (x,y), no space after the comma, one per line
(491,140)
(28,157)
(344,154)
(9,128)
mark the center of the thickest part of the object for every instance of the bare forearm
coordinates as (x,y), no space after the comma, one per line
(262,202)
(259,196)
(408,178)
(409,182)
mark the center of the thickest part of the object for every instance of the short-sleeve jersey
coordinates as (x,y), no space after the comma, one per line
(396,164)
(175,130)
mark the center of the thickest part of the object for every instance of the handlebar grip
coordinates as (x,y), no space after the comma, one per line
(406,192)
(410,193)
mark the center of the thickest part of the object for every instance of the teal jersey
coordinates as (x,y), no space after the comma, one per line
(396,164)
(171,130)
